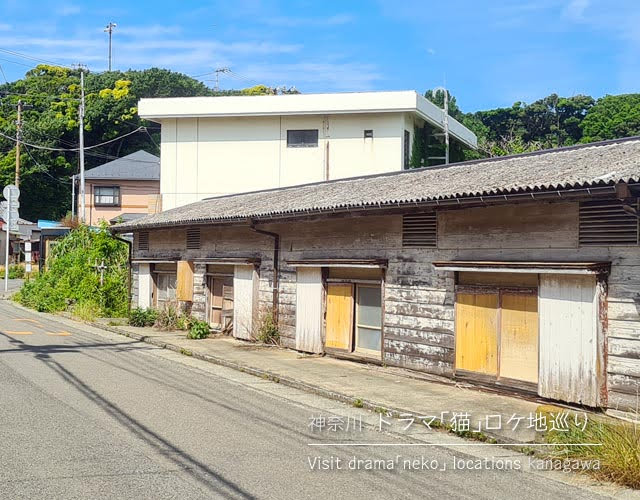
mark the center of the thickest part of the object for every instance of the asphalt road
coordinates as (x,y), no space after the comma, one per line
(89,415)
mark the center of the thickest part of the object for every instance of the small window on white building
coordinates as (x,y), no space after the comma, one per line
(302,138)
(368,134)
(107,196)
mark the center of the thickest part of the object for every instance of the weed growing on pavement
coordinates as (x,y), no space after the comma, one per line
(619,455)
(268,331)
(199,329)
(142,317)
(358,403)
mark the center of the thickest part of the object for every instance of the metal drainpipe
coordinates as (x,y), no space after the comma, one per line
(276,267)
(130,245)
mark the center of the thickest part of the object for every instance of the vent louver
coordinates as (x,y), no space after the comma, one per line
(606,223)
(193,239)
(420,230)
(143,240)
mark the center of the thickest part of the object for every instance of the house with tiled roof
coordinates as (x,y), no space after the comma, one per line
(123,189)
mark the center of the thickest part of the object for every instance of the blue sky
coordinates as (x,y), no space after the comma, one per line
(489,53)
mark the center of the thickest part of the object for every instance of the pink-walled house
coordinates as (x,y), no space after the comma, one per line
(123,189)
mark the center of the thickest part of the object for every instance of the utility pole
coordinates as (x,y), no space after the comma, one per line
(18,138)
(109,29)
(217,72)
(81,141)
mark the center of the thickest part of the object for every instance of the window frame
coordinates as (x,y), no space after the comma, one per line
(356,323)
(290,132)
(115,196)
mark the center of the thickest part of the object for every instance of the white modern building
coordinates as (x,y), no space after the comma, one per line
(214,146)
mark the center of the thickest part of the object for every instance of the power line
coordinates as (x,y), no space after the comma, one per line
(44,170)
(36,59)
(3,75)
(35,146)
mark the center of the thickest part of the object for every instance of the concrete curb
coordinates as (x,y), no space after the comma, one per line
(394,412)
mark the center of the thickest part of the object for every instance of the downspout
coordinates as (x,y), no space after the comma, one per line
(276,267)
(130,245)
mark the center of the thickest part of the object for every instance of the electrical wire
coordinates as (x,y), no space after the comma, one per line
(36,59)
(35,146)
(44,170)
(3,75)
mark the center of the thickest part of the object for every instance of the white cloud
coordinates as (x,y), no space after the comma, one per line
(576,9)
(68,9)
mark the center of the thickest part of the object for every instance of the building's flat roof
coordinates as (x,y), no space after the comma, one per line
(410,101)
(588,167)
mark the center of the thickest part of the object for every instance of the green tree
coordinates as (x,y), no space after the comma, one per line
(612,117)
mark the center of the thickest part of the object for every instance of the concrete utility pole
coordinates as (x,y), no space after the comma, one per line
(18,138)
(109,29)
(217,72)
(81,141)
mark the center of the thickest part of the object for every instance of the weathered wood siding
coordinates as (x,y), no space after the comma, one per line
(145,285)
(309,310)
(418,321)
(569,339)
(245,286)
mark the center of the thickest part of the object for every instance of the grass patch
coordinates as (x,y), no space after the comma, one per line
(358,403)
(619,455)
(186,352)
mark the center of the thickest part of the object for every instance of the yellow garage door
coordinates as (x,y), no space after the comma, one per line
(339,316)
(477,332)
(519,336)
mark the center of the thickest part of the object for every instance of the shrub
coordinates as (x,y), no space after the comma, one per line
(71,277)
(16,272)
(268,331)
(199,329)
(143,317)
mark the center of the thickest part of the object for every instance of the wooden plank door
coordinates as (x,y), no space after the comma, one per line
(309,292)
(339,329)
(569,367)
(519,336)
(477,332)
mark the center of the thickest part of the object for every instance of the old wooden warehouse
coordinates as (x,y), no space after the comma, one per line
(519,271)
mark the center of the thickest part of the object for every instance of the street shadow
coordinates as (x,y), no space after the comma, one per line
(202,473)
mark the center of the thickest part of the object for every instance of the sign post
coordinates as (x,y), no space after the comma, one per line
(10,215)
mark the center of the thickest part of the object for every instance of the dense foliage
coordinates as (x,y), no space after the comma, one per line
(72,279)
(553,121)
(50,118)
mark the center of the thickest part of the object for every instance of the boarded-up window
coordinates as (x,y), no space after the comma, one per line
(420,230)
(143,240)
(605,222)
(193,238)
(165,280)
(184,289)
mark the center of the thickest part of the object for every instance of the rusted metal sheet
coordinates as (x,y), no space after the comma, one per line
(245,287)
(309,310)
(569,339)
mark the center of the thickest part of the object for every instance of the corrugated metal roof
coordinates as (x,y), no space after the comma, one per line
(135,166)
(578,166)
